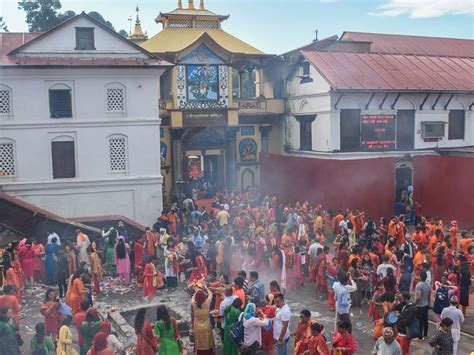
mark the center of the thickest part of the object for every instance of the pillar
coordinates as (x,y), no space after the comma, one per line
(265,132)
(231,172)
(177,151)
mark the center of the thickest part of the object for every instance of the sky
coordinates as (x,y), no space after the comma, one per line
(278,26)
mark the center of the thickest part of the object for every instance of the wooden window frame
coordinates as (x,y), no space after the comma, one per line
(52,113)
(451,117)
(54,164)
(85,30)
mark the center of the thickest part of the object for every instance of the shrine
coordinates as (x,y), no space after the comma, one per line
(215,106)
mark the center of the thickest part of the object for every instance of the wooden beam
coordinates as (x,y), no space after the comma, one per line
(424,101)
(396,100)
(436,101)
(338,100)
(383,100)
(370,100)
(447,103)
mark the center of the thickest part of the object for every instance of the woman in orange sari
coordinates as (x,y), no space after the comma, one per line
(76,291)
(11,279)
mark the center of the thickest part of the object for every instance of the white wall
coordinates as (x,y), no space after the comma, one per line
(136,193)
(62,43)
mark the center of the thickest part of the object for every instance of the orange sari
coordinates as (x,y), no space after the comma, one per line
(75,295)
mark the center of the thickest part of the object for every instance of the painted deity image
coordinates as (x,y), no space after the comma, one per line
(203,82)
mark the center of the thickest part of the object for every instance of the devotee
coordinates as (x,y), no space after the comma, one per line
(170,252)
(252,329)
(147,343)
(9,341)
(82,243)
(343,342)
(149,273)
(257,289)
(65,339)
(41,343)
(8,300)
(122,260)
(50,311)
(166,331)
(62,271)
(422,302)
(455,314)
(281,324)
(231,315)
(27,256)
(386,344)
(302,332)
(50,262)
(442,340)
(203,336)
(89,328)
(342,293)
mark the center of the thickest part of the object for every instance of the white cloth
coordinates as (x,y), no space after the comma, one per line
(252,331)
(54,235)
(313,249)
(283,271)
(226,303)
(457,317)
(382,269)
(282,314)
(82,246)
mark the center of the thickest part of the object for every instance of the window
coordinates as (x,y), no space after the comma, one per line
(306,142)
(7,159)
(84,38)
(306,73)
(118,154)
(64,159)
(115,99)
(5,101)
(350,130)
(405,129)
(456,124)
(432,130)
(60,105)
(306,69)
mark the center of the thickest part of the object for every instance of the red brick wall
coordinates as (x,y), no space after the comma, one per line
(445,187)
(367,184)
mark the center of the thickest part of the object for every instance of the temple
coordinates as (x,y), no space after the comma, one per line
(215,107)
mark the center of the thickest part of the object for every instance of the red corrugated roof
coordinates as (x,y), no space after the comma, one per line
(379,71)
(419,45)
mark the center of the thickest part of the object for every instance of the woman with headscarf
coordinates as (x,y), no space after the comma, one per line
(100,345)
(252,329)
(90,327)
(146,340)
(166,330)
(203,336)
(122,260)
(231,315)
(27,259)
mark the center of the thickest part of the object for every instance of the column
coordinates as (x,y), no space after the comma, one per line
(230,156)
(265,132)
(177,151)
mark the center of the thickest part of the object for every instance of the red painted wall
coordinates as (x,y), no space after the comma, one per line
(367,184)
(445,187)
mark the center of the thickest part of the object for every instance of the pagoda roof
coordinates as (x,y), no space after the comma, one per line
(178,39)
(189,12)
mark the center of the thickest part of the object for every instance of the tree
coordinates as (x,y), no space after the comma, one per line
(98,17)
(3,25)
(41,15)
(123,33)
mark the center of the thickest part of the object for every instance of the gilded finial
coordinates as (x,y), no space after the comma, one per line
(191,5)
(180,4)
(201,5)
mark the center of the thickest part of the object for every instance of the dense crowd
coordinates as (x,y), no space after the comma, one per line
(238,254)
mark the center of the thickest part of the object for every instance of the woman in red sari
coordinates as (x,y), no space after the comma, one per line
(302,333)
(39,262)
(149,272)
(317,343)
(332,270)
(147,344)
(199,268)
(19,274)
(343,342)
(11,278)
(50,311)
(267,335)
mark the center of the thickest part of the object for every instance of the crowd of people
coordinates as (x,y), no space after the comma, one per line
(238,255)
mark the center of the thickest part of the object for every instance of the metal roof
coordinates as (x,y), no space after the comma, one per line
(393,72)
(418,45)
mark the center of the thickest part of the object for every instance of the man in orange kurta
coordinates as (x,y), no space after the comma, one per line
(453,231)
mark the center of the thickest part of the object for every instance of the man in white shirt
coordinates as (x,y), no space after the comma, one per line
(52,235)
(313,248)
(252,329)
(281,325)
(456,315)
(226,303)
(343,299)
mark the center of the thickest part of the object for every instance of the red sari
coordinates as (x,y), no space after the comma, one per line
(146,341)
(11,278)
(344,341)
(200,270)
(317,345)
(39,263)
(149,272)
(139,250)
(52,320)
(302,336)
(267,335)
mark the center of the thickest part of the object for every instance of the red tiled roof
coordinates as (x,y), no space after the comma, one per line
(378,71)
(109,218)
(419,45)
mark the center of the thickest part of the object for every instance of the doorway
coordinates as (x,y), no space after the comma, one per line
(403,179)
(211,169)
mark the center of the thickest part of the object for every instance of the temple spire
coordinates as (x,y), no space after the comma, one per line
(180,4)
(138,36)
(191,5)
(201,5)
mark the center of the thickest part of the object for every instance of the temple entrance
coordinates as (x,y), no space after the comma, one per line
(204,163)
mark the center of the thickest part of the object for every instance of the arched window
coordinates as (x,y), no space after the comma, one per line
(60,101)
(63,154)
(7,158)
(118,153)
(115,98)
(5,100)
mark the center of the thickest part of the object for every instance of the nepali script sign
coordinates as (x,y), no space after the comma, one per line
(377,132)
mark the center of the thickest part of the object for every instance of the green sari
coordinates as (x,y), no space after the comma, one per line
(167,342)
(231,315)
(109,257)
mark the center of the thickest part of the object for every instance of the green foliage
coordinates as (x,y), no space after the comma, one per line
(98,17)
(123,33)
(3,25)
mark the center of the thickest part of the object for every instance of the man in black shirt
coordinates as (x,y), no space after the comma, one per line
(406,315)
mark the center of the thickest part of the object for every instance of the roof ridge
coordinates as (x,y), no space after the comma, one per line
(404,35)
(391,53)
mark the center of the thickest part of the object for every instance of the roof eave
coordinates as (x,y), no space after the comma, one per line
(407,90)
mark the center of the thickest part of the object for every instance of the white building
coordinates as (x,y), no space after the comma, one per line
(79,122)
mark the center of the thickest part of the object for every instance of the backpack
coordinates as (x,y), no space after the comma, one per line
(441,300)
(237,331)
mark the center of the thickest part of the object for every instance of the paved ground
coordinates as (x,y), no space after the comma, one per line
(178,300)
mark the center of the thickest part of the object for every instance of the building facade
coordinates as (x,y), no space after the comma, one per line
(79,122)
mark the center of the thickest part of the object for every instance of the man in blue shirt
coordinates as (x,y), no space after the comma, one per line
(343,298)
(257,289)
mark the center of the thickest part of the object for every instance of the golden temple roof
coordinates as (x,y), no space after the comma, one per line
(138,34)
(177,39)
